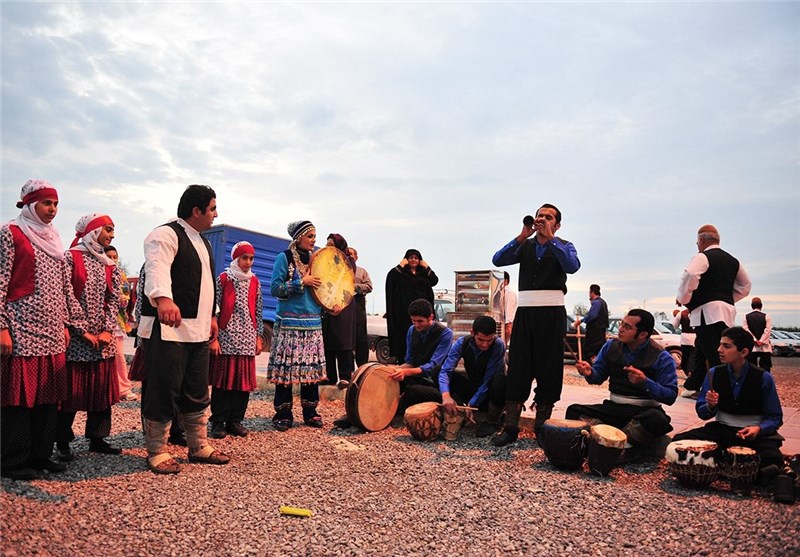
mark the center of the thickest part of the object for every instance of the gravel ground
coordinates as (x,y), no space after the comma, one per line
(379,494)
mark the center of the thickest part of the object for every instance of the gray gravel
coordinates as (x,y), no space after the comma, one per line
(376,494)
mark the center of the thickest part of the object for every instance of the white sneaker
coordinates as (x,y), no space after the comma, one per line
(689,394)
(129,397)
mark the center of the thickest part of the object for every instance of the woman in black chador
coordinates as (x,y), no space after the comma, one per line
(411,279)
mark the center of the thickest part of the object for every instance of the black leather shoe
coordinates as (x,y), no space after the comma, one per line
(505,437)
(21,474)
(342,423)
(485,429)
(218,430)
(102,447)
(236,429)
(178,439)
(64,453)
(282,425)
(316,421)
(47,464)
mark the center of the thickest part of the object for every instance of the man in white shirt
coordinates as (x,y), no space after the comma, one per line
(711,284)
(176,325)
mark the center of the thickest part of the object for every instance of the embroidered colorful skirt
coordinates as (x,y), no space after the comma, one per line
(29,381)
(297,356)
(92,386)
(232,372)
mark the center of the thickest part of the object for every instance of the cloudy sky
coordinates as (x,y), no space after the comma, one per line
(429,125)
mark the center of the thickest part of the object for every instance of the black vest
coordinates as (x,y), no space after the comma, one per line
(596,330)
(186,274)
(476,367)
(749,402)
(546,274)
(716,284)
(618,378)
(422,352)
(757,323)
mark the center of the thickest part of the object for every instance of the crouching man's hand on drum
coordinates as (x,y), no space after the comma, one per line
(398,374)
(469,415)
(449,404)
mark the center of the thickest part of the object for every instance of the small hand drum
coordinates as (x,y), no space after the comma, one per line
(563,443)
(424,420)
(693,461)
(338,281)
(606,444)
(740,465)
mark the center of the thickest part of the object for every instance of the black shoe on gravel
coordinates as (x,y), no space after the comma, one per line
(505,437)
(342,423)
(102,447)
(237,429)
(485,429)
(47,464)
(218,430)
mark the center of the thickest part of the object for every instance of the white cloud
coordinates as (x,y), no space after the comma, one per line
(436,126)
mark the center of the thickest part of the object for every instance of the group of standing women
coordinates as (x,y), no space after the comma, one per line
(57,315)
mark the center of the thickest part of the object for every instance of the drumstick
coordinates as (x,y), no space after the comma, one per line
(578,336)
(569,348)
(462,407)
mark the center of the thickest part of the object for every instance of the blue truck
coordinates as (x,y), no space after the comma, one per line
(223,237)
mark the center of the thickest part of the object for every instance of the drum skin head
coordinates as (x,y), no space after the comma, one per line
(338,281)
(565,424)
(421,409)
(608,436)
(372,398)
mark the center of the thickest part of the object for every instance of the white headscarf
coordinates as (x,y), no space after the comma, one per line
(44,236)
(238,250)
(87,231)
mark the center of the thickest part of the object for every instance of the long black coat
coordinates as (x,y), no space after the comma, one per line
(402,288)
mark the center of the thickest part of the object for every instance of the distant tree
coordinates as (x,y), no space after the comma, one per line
(580,309)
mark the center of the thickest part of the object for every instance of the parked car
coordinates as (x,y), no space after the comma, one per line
(783,344)
(664,336)
(376,327)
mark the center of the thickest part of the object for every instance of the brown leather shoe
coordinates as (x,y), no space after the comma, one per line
(216,457)
(169,466)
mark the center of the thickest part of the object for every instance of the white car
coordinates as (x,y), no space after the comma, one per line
(379,339)
(783,344)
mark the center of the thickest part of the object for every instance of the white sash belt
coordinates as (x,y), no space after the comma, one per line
(621,399)
(540,298)
(738,420)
